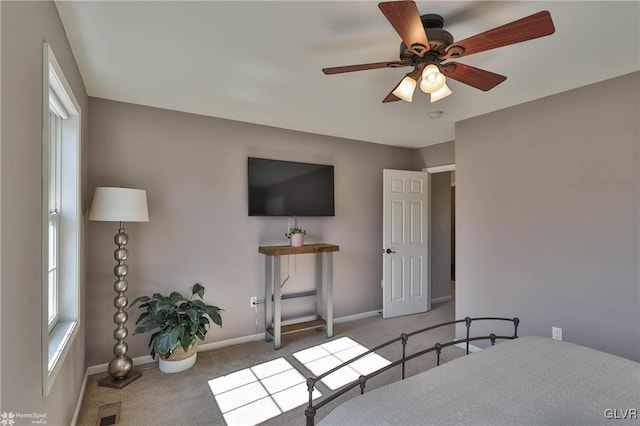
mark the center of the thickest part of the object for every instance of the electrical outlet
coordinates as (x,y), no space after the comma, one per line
(253,301)
(556,333)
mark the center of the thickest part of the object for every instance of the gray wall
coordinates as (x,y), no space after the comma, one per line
(548,220)
(24,26)
(194,171)
(440,234)
(434,155)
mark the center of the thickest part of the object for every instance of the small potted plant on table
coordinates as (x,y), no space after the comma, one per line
(296,235)
(176,323)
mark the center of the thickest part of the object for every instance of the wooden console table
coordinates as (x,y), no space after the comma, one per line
(273,298)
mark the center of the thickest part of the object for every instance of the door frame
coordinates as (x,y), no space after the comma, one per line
(442,168)
(431,170)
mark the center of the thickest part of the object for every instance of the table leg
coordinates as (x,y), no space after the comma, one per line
(319,285)
(329,318)
(268,292)
(277,302)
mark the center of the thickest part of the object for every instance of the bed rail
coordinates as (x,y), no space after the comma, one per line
(311,409)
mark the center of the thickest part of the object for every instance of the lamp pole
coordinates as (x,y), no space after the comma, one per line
(120,367)
(120,205)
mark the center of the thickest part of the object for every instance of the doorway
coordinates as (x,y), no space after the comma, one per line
(442,224)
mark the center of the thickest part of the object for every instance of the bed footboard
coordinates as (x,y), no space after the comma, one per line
(361,382)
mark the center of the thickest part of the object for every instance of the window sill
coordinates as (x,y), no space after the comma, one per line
(60,340)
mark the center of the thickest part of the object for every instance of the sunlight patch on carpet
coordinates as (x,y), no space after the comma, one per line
(261,392)
(322,358)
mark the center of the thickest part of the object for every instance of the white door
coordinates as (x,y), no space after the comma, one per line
(405,250)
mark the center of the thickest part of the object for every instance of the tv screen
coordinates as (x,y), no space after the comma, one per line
(286,188)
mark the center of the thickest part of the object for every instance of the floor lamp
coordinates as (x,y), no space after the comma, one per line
(120,205)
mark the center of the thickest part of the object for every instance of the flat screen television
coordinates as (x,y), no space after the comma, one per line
(286,188)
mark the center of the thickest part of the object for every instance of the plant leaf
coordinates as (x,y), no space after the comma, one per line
(198,289)
(175,297)
(193,315)
(162,305)
(168,341)
(140,299)
(216,318)
(142,317)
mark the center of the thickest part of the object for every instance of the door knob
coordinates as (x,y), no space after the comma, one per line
(389,251)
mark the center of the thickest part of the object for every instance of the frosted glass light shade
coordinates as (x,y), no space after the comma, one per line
(119,205)
(442,93)
(432,79)
(405,89)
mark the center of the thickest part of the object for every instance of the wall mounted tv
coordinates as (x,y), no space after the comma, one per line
(286,188)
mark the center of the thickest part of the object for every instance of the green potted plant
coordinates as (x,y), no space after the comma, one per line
(176,324)
(296,235)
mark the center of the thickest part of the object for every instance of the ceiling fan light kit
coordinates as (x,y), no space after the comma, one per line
(426,46)
(432,79)
(441,93)
(405,89)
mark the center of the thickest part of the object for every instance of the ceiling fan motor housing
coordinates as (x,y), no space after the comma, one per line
(439,39)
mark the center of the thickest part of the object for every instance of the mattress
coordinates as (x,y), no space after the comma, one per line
(526,381)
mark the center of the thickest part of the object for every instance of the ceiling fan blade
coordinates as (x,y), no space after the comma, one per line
(363,67)
(533,26)
(475,77)
(391,97)
(405,19)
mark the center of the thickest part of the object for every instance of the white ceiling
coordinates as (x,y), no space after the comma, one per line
(261,61)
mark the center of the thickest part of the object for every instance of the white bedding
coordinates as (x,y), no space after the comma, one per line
(530,380)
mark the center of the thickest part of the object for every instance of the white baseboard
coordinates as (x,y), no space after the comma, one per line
(356,317)
(230,342)
(103,368)
(76,413)
(441,299)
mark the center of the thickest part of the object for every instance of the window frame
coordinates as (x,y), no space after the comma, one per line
(59,335)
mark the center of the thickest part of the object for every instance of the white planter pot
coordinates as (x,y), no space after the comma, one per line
(177,366)
(297,240)
(179,360)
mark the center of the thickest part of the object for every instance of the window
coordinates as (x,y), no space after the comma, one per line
(61,225)
(55,136)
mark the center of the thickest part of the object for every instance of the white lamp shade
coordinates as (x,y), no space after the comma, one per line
(441,93)
(119,205)
(405,89)
(432,79)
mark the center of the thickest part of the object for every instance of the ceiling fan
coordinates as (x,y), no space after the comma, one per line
(426,46)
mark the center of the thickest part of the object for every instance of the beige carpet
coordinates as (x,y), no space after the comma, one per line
(185,398)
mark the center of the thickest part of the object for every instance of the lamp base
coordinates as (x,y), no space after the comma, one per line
(112,382)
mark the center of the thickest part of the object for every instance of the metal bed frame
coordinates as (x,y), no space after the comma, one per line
(311,409)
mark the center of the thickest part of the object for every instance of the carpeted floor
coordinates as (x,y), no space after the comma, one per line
(186,399)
